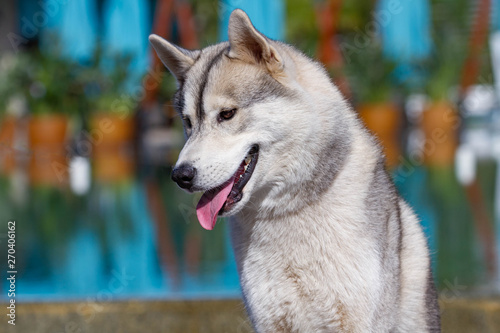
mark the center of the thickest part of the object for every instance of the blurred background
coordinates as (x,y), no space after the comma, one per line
(88,136)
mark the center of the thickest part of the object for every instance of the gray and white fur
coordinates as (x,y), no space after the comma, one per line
(323,242)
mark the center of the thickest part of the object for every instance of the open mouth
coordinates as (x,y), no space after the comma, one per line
(221,199)
(242,176)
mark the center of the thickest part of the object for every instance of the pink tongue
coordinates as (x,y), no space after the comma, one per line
(210,204)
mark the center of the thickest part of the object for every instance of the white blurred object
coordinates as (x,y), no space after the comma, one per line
(79,175)
(19,185)
(480,141)
(415,105)
(496,155)
(415,145)
(495,59)
(480,100)
(495,147)
(465,165)
(17,106)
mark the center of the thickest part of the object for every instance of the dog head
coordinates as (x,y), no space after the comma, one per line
(242,108)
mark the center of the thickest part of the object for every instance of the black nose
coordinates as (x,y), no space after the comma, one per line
(183,175)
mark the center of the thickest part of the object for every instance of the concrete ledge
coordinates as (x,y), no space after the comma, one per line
(219,316)
(471,315)
(130,316)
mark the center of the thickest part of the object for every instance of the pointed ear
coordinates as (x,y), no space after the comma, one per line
(175,58)
(248,44)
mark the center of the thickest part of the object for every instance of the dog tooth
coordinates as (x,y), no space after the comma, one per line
(247,159)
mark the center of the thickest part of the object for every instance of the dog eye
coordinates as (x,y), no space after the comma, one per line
(226,114)
(187,122)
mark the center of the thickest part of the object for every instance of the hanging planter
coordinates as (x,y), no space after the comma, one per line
(440,120)
(48,167)
(54,94)
(111,122)
(112,136)
(440,123)
(47,138)
(112,146)
(47,130)
(7,133)
(111,130)
(112,165)
(384,120)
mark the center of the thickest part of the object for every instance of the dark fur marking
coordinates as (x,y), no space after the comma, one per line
(342,321)
(197,57)
(384,216)
(264,88)
(431,303)
(178,99)
(332,159)
(383,200)
(282,325)
(267,87)
(295,278)
(400,236)
(200,112)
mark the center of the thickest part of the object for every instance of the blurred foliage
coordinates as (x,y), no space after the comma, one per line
(458,253)
(452,22)
(301,26)
(206,15)
(355,15)
(370,74)
(451,17)
(168,86)
(13,77)
(437,76)
(53,85)
(450,31)
(444,68)
(104,80)
(46,205)
(48,82)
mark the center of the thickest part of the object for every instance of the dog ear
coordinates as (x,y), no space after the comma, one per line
(248,44)
(175,58)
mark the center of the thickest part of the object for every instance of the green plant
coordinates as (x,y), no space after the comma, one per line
(301,25)
(370,74)
(53,85)
(5,68)
(206,15)
(105,84)
(50,208)
(14,77)
(355,15)
(450,37)
(444,67)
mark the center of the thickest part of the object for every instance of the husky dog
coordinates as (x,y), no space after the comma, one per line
(323,242)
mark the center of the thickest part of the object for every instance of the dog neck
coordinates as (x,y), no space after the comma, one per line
(344,187)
